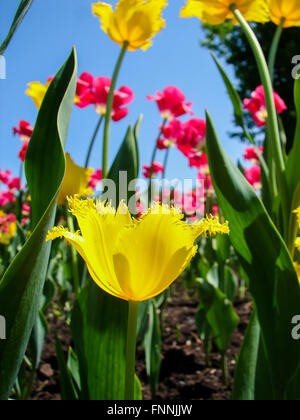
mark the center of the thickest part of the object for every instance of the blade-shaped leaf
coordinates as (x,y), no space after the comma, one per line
(234,96)
(293,167)
(153,348)
(244,378)
(264,257)
(19,16)
(220,313)
(99,330)
(67,386)
(22,285)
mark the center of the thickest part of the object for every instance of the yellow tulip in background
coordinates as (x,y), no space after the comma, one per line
(287,10)
(215,12)
(134,260)
(37,92)
(75,181)
(134,22)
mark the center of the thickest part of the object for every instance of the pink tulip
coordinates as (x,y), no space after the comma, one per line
(253,176)
(171,103)
(156,169)
(257,106)
(24,130)
(94,91)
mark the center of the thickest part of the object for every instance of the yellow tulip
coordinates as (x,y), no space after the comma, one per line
(134,22)
(289,10)
(134,260)
(215,12)
(37,91)
(75,181)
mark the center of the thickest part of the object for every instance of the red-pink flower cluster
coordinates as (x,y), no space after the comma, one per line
(13,185)
(189,137)
(251,154)
(257,106)
(171,103)
(94,91)
(5,221)
(26,210)
(253,176)
(25,132)
(95,179)
(155,170)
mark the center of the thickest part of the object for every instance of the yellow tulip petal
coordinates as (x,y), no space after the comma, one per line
(75,181)
(37,92)
(81,246)
(287,9)
(216,12)
(130,259)
(147,249)
(134,21)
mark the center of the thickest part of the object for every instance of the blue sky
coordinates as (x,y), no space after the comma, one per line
(44,41)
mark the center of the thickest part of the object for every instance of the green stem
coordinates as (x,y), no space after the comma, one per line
(74,255)
(224,369)
(131,350)
(272,114)
(88,156)
(166,161)
(155,147)
(109,106)
(274,48)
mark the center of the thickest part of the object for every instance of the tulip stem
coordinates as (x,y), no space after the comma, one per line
(109,107)
(166,161)
(274,48)
(74,255)
(131,350)
(92,143)
(155,147)
(274,137)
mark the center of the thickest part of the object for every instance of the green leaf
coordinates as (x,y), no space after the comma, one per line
(252,381)
(67,387)
(220,313)
(99,330)
(37,339)
(19,16)
(127,160)
(153,348)
(223,247)
(272,280)
(73,366)
(22,285)
(235,98)
(245,374)
(293,167)
(230,283)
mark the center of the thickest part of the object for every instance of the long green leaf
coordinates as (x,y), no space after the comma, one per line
(245,374)
(292,166)
(99,329)
(234,96)
(153,348)
(19,16)
(22,285)
(264,257)
(220,313)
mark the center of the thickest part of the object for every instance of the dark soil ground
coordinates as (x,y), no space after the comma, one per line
(184,371)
